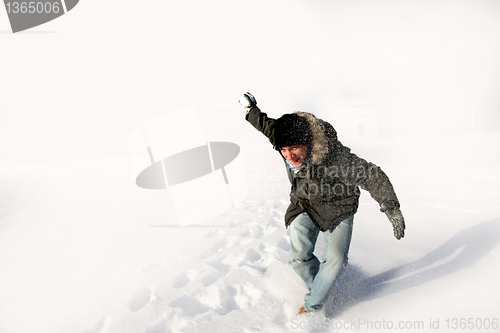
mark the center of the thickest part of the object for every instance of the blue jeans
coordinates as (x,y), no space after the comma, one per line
(318,277)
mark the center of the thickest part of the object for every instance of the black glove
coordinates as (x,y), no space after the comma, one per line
(397,220)
(247,101)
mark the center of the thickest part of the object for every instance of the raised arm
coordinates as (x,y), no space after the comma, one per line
(257,118)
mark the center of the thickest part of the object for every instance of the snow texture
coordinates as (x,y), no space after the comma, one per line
(96,254)
(409,85)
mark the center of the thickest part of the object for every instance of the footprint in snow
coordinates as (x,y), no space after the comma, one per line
(214,249)
(253,255)
(190,306)
(227,301)
(247,296)
(237,297)
(182,279)
(219,270)
(139,300)
(276,220)
(222,299)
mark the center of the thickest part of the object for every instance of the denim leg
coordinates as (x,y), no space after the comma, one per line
(335,260)
(303,236)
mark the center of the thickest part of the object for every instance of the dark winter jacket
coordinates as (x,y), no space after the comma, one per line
(327,187)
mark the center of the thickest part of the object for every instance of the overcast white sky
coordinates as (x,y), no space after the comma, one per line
(77,86)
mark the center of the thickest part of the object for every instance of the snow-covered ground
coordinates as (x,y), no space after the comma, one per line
(85,250)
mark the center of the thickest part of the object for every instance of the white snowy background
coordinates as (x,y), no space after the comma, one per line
(410,85)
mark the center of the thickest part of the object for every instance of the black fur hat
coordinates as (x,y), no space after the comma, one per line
(291,130)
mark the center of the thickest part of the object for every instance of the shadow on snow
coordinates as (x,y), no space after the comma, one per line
(463,250)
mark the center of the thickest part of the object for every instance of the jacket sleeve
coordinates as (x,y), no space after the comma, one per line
(370,177)
(262,123)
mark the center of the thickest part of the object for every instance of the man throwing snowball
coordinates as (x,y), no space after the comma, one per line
(325,178)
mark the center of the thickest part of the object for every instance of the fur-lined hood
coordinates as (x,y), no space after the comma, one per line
(323,135)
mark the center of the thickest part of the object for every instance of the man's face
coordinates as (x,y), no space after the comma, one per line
(296,155)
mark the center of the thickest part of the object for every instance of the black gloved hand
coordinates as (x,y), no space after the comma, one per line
(397,220)
(247,101)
